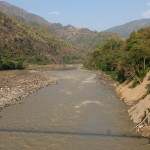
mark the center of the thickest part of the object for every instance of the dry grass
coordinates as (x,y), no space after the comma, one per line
(50,66)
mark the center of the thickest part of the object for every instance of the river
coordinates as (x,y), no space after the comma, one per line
(78,113)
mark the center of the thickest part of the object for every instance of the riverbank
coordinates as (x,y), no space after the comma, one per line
(139,98)
(15,85)
(105,79)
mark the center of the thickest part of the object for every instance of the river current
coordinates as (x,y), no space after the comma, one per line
(78,113)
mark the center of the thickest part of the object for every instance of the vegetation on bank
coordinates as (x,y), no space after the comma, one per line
(121,59)
(7,64)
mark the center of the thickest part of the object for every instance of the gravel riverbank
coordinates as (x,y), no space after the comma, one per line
(17,85)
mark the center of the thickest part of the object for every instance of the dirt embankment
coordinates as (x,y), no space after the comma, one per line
(17,85)
(139,98)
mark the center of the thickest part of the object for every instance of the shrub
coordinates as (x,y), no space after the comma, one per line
(20,65)
(7,64)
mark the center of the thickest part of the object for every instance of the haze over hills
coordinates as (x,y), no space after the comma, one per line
(83,39)
(126,29)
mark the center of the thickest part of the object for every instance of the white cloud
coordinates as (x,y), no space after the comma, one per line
(146,14)
(55,13)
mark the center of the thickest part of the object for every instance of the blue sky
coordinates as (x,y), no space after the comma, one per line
(93,14)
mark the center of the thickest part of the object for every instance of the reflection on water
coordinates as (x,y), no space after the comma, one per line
(78,113)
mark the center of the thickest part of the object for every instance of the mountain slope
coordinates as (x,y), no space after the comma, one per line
(82,39)
(32,43)
(22,14)
(126,29)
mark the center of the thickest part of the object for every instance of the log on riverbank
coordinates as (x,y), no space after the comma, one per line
(17,85)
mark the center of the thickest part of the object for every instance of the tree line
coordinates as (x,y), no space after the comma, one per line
(123,59)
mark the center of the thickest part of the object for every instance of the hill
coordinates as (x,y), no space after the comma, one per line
(82,39)
(126,29)
(34,44)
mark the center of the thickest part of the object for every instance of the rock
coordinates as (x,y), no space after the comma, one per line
(138,111)
(145,131)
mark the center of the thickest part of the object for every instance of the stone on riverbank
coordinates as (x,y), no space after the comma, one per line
(138,111)
(16,86)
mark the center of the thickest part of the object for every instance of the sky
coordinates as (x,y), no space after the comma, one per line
(96,15)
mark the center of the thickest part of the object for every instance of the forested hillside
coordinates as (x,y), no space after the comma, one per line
(26,37)
(123,60)
(82,39)
(33,44)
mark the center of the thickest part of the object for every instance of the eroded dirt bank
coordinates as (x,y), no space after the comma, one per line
(139,98)
(17,85)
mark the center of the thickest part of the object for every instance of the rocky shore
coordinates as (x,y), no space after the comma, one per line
(17,85)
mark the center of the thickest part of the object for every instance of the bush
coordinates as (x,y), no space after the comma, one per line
(121,76)
(135,83)
(142,74)
(7,64)
(20,65)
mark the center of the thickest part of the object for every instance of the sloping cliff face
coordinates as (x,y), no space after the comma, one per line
(139,97)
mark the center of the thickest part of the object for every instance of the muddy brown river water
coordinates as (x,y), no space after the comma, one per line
(78,113)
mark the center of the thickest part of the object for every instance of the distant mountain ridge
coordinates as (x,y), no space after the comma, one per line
(126,29)
(83,38)
(70,32)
